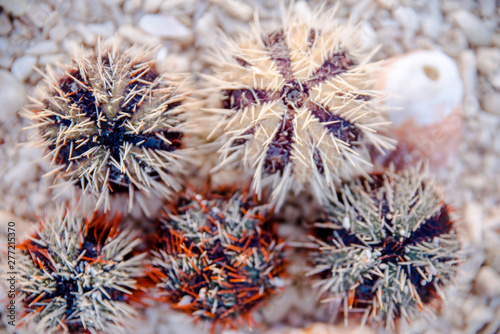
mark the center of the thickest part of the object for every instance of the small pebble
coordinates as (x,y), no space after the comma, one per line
(407,18)
(477,32)
(131,6)
(22,67)
(488,282)
(15,7)
(43,47)
(488,60)
(487,7)
(51,59)
(12,95)
(491,103)
(5,25)
(164,26)
(152,6)
(106,29)
(59,32)
(474,220)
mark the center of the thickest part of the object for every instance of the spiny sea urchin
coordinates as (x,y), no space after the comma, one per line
(386,246)
(218,256)
(113,122)
(297,105)
(79,275)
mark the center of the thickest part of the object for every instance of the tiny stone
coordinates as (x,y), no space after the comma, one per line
(477,32)
(152,6)
(51,59)
(488,282)
(237,9)
(488,60)
(164,26)
(43,47)
(58,32)
(487,7)
(12,95)
(5,61)
(88,36)
(15,7)
(478,318)
(23,66)
(473,220)
(135,35)
(407,18)
(5,25)
(131,6)
(468,70)
(106,29)
(491,103)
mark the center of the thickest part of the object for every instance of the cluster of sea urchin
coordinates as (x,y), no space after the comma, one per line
(79,275)
(217,256)
(386,246)
(298,107)
(113,123)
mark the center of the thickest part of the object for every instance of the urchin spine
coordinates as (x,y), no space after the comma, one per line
(386,247)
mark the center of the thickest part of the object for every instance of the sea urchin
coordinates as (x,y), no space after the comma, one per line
(297,105)
(386,246)
(218,257)
(113,122)
(79,275)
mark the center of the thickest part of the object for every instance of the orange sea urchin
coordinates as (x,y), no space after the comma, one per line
(218,257)
(79,275)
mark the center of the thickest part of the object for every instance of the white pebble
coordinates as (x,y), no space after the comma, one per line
(6,61)
(88,36)
(15,7)
(152,6)
(488,60)
(407,18)
(346,223)
(477,32)
(204,30)
(43,47)
(51,59)
(135,35)
(240,10)
(5,25)
(474,222)
(106,29)
(131,6)
(488,282)
(164,26)
(491,103)
(59,32)
(22,67)
(12,95)
(468,70)
(487,7)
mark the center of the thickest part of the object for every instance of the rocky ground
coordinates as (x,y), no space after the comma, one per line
(35,34)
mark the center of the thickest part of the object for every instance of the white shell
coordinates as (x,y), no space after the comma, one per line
(424,85)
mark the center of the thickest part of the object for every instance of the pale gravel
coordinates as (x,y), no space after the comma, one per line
(43,33)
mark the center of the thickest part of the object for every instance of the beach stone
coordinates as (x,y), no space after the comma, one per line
(15,7)
(22,67)
(43,47)
(407,18)
(487,7)
(164,26)
(152,6)
(488,60)
(106,29)
(488,282)
(12,95)
(59,32)
(477,32)
(5,25)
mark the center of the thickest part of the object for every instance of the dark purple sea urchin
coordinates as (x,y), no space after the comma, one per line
(298,107)
(386,247)
(113,122)
(217,256)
